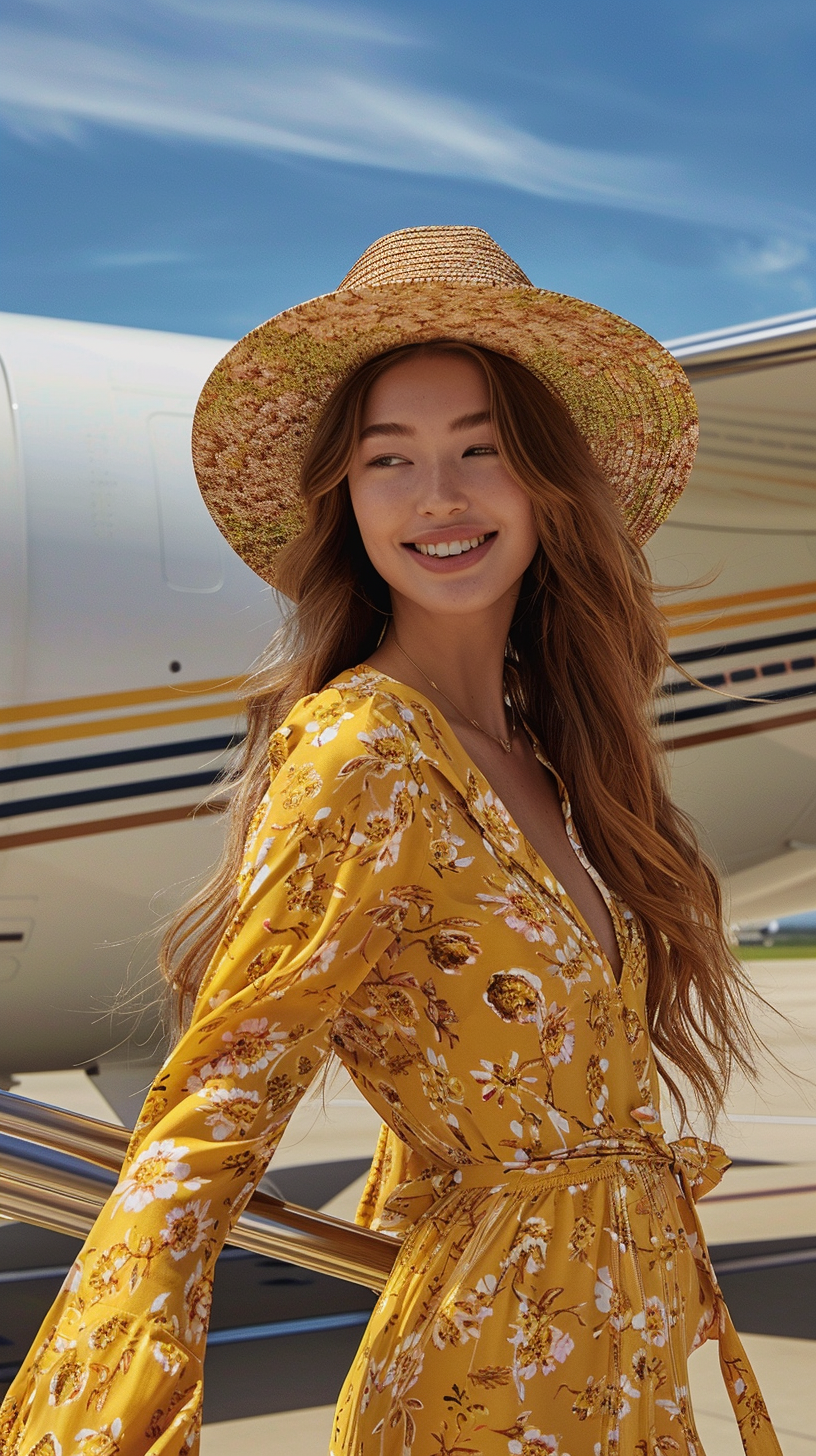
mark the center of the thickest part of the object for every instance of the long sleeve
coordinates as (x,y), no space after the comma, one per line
(117,1367)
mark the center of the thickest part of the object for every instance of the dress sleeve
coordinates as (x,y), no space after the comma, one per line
(117,1366)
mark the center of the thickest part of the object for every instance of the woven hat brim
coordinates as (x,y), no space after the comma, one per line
(628,396)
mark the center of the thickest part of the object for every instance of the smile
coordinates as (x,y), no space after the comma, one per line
(449,548)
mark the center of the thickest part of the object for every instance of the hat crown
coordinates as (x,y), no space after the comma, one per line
(459,255)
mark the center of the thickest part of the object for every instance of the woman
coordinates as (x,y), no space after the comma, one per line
(457,867)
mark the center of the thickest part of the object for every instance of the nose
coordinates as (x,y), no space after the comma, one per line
(441,492)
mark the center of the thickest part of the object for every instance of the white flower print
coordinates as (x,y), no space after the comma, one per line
(653,1320)
(325,732)
(539,1345)
(258,879)
(168,1356)
(319,962)
(570,963)
(185,1228)
(459,1320)
(441,1087)
(534,1443)
(557,1034)
(233,1110)
(523,912)
(705,1326)
(610,1300)
(68,1380)
(604,1289)
(156,1172)
(500,1081)
(200,1080)
(529,1247)
(491,813)
(254,1046)
(103,1441)
(197,1303)
(444,850)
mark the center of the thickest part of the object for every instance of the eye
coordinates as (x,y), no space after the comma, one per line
(481,450)
(385,461)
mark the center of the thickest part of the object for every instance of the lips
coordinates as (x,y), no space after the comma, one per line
(448,555)
(449,548)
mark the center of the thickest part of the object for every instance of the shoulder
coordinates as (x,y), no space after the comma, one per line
(346,756)
(346,775)
(360,723)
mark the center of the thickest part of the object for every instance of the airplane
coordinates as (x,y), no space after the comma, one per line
(129,626)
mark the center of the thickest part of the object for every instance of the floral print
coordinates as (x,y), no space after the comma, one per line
(551,1277)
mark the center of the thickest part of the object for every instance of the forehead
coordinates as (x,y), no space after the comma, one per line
(427,383)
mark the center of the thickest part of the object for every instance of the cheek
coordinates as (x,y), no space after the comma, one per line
(514,507)
(376,519)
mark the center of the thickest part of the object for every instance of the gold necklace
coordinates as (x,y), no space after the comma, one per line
(506,743)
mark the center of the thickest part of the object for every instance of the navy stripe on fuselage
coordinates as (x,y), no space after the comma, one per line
(108,792)
(739,675)
(750,644)
(84,763)
(735,705)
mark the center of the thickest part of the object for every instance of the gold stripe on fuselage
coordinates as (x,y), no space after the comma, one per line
(130,723)
(721,616)
(97,702)
(741,599)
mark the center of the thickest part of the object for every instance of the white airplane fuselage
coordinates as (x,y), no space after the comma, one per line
(128,624)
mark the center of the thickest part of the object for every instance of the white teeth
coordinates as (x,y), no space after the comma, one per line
(450,548)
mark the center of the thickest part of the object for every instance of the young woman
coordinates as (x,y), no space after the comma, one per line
(453,862)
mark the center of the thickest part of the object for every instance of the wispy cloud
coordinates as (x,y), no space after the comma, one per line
(778,256)
(147,258)
(291,15)
(222,82)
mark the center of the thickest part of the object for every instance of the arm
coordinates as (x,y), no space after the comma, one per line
(120,1354)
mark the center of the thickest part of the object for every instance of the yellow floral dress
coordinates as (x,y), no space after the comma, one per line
(553,1277)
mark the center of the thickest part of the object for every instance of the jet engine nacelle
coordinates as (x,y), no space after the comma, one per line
(127,624)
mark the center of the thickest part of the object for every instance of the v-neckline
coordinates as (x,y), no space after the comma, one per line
(615,913)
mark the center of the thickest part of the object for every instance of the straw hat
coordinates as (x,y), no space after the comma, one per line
(629,398)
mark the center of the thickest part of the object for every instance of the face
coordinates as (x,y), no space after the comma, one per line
(441,518)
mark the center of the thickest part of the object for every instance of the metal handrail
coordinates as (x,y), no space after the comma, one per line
(67,1199)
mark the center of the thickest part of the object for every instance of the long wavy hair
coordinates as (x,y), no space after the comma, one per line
(586,655)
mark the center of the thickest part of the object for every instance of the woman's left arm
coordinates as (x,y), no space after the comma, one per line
(119,1359)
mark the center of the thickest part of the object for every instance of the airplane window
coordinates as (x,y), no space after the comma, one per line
(191,542)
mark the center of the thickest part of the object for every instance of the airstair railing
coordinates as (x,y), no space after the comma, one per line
(57,1170)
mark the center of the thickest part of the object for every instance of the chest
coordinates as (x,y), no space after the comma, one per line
(531,797)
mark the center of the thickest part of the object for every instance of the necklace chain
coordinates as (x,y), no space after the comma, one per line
(506,743)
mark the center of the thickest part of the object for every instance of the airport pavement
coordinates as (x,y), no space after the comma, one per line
(282,1339)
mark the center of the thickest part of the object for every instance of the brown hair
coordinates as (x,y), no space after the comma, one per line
(586,654)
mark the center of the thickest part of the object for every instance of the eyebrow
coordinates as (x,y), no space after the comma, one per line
(463,422)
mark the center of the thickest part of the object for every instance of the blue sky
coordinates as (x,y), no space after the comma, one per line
(199,165)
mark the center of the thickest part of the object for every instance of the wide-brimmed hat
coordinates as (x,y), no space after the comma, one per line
(628,396)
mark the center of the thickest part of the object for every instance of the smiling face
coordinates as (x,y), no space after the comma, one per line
(441,518)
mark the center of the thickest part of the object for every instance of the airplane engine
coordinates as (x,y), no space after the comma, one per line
(127,626)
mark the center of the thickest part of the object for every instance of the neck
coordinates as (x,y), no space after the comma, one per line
(463,655)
